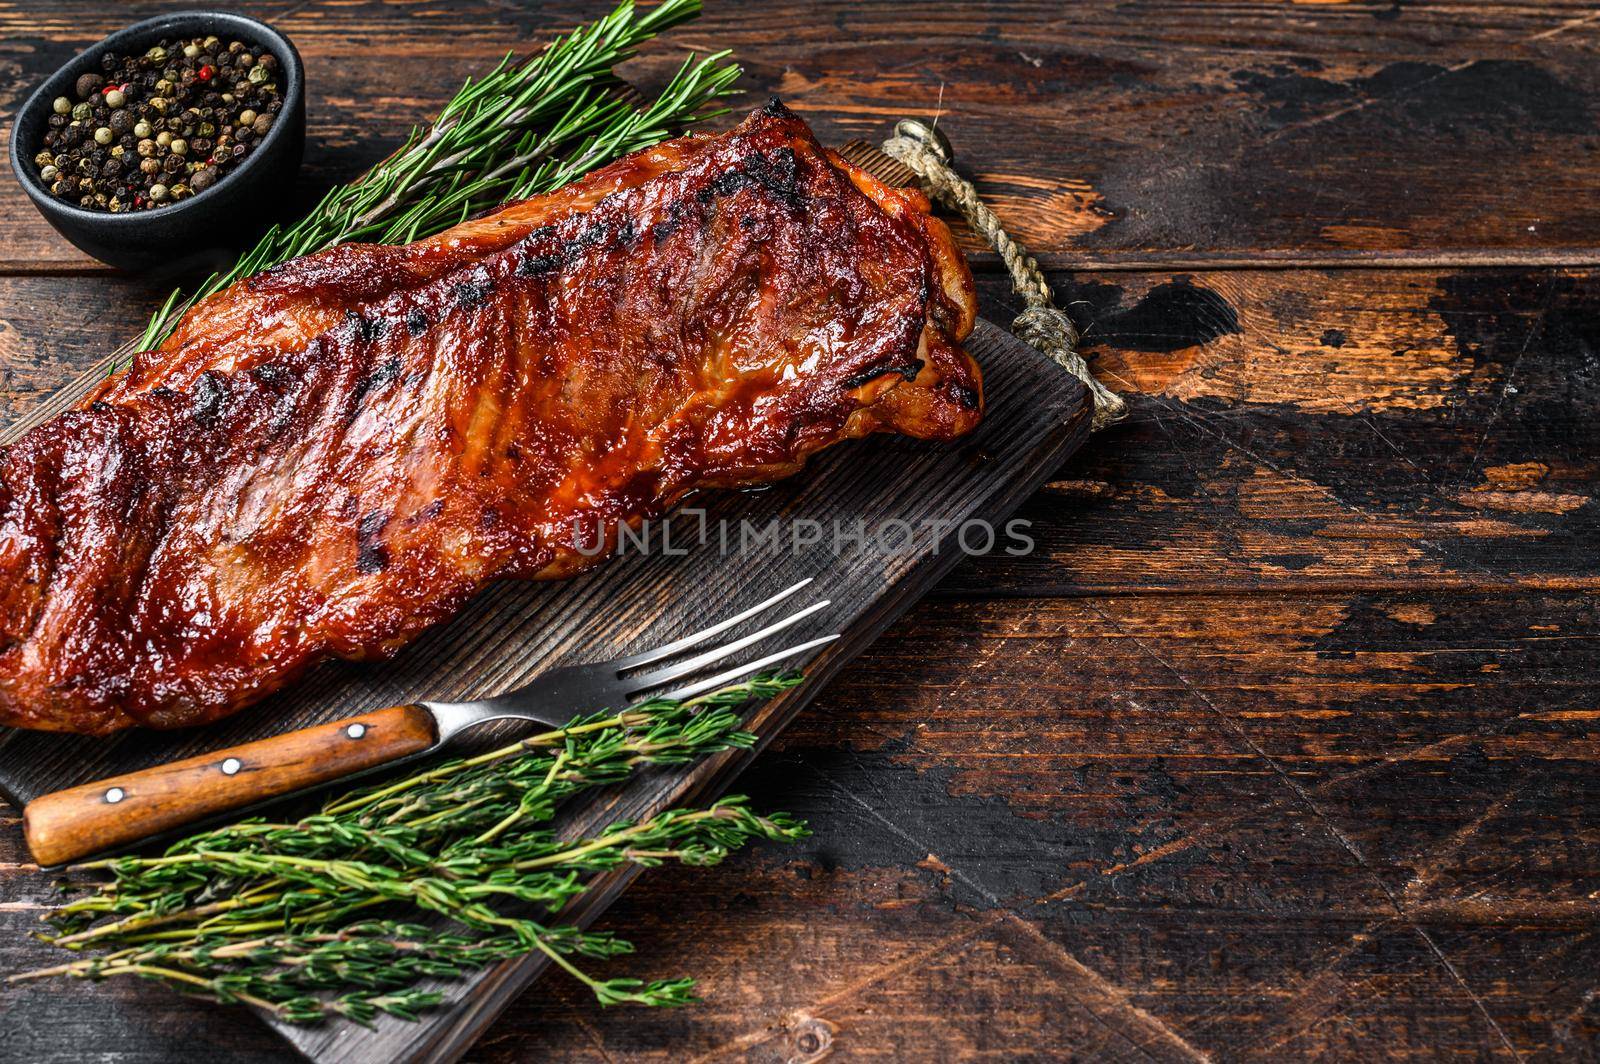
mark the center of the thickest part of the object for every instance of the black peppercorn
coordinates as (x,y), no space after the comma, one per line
(162,119)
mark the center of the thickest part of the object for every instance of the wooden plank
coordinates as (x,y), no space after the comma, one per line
(1405,628)
(1042,823)
(1422,690)
(1327,429)
(1069,825)
(514,631)
(1156,134)
(1352,540)
(1038,415)
(1291,429)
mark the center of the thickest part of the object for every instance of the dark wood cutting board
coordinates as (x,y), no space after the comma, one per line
(1037,415)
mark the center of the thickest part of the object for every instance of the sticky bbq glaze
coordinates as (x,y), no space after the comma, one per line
(327,458)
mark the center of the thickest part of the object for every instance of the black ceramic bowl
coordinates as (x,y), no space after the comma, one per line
(203,230)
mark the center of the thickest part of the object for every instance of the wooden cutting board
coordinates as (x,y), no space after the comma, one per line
(1037,415)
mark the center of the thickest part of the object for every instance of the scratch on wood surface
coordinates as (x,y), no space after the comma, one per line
(1366,420)
(1361,105)
(861,983)
(1066,893)
(593,1035)
(1312,995)
(1220,515)
(1430,870)
(1103,1001)
(1113,997)
(1570,24)
(1444,555)
(1455,975)
(1270,1050)
(1305,798)
(1307,991)
(1210,830)
(1508,388)
(1108,995)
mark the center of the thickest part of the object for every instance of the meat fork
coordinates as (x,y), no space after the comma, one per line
(104,815)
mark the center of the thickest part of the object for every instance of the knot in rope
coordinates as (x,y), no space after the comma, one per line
(928,154)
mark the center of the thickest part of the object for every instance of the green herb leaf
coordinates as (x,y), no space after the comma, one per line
(318,917)
(526,128)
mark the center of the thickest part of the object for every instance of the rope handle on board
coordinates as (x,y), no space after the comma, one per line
(926,151)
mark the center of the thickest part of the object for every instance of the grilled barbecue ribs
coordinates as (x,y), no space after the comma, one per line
(330,457)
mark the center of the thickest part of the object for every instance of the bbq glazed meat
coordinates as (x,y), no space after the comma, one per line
(330,457)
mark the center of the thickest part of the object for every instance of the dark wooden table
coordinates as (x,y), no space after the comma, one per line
(1283,741)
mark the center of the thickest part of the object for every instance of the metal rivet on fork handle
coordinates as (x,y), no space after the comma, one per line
(188,790)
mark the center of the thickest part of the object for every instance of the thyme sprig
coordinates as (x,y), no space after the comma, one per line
(528,126)
(316,918)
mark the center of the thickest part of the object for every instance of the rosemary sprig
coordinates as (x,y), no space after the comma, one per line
(526,127)
(316,918)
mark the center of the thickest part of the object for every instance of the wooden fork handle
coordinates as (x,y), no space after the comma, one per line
(100,816)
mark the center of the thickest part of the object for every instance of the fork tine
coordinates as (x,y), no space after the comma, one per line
(739,671)
(677,646)
(684,668)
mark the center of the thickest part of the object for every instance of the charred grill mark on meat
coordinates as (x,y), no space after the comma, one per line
(328,458)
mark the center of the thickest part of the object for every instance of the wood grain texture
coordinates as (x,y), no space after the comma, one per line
(123,808)
(1107,132)
(1038,415)
(1282,743)
(1061,803)
(1330,430)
